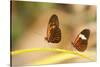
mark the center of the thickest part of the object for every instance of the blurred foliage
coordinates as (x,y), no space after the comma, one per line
(27,12)
(24,13)
(30,16)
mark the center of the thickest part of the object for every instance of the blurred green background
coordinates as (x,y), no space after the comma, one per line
(30,20)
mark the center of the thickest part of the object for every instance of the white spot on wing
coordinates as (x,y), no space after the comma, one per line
(53,27)
(82,36)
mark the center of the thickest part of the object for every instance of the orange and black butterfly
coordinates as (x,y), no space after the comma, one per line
(53,30)
(81,40)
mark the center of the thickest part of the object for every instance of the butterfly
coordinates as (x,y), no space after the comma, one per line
(81,40)
(53,30)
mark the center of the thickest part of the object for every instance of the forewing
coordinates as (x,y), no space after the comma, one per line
(81,40)
(53,30)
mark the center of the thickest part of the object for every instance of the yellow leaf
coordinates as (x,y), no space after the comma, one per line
(55,59)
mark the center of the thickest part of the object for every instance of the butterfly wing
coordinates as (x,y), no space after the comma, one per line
(81,41)
(55,35)
(53,30)
(81,45)
(54,21)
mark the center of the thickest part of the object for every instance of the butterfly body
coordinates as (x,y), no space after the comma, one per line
(53,30)
(81,41)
